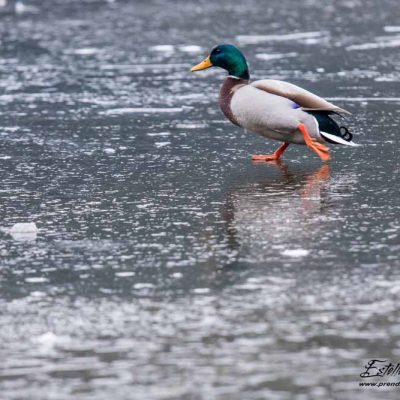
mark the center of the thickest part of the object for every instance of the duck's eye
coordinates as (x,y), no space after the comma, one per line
(217,51)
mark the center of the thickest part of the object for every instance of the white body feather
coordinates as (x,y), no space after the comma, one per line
(271,116)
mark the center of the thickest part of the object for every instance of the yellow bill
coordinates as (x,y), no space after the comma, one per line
(203,65)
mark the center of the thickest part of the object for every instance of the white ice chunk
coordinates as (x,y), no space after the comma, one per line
(159,134)
(88,51)
(143,286)
(36,279)
(161,144)
(191,126)
(47,340)
(24,231)
(392,28)
(201,290)
(125,274)
(21,8)
(190,49)
(163,48)
(24,227)
(295,252)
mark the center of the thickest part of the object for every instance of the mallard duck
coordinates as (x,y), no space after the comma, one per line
(275,109)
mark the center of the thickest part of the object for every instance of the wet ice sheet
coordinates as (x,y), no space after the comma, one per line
(167,264)
(301,36)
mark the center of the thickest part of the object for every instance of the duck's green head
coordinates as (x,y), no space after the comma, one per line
(226,56)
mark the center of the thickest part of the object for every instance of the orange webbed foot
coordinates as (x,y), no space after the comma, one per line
(264,157)
(271,157)
(313,144)
(320,149)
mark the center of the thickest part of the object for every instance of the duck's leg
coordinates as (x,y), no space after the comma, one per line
(320,149)
(271,157)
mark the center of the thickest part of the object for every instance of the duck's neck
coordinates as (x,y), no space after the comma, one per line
(237,67)
(228,88)
(240,71)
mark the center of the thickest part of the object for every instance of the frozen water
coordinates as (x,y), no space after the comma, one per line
(255,39)
(144,110)
(168,265)
(267,57)
(380,44)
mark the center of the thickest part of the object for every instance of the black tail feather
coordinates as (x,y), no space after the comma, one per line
(329,125)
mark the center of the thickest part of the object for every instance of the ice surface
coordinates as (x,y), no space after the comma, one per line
(277,56)
(180,272)
(365,99)
(379,44)
(255,39)
(143,110)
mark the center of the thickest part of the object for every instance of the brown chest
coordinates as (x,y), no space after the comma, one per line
(226,93)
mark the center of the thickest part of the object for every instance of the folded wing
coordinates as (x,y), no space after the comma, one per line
(302,97)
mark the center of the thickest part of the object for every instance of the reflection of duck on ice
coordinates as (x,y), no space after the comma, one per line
(289,211)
